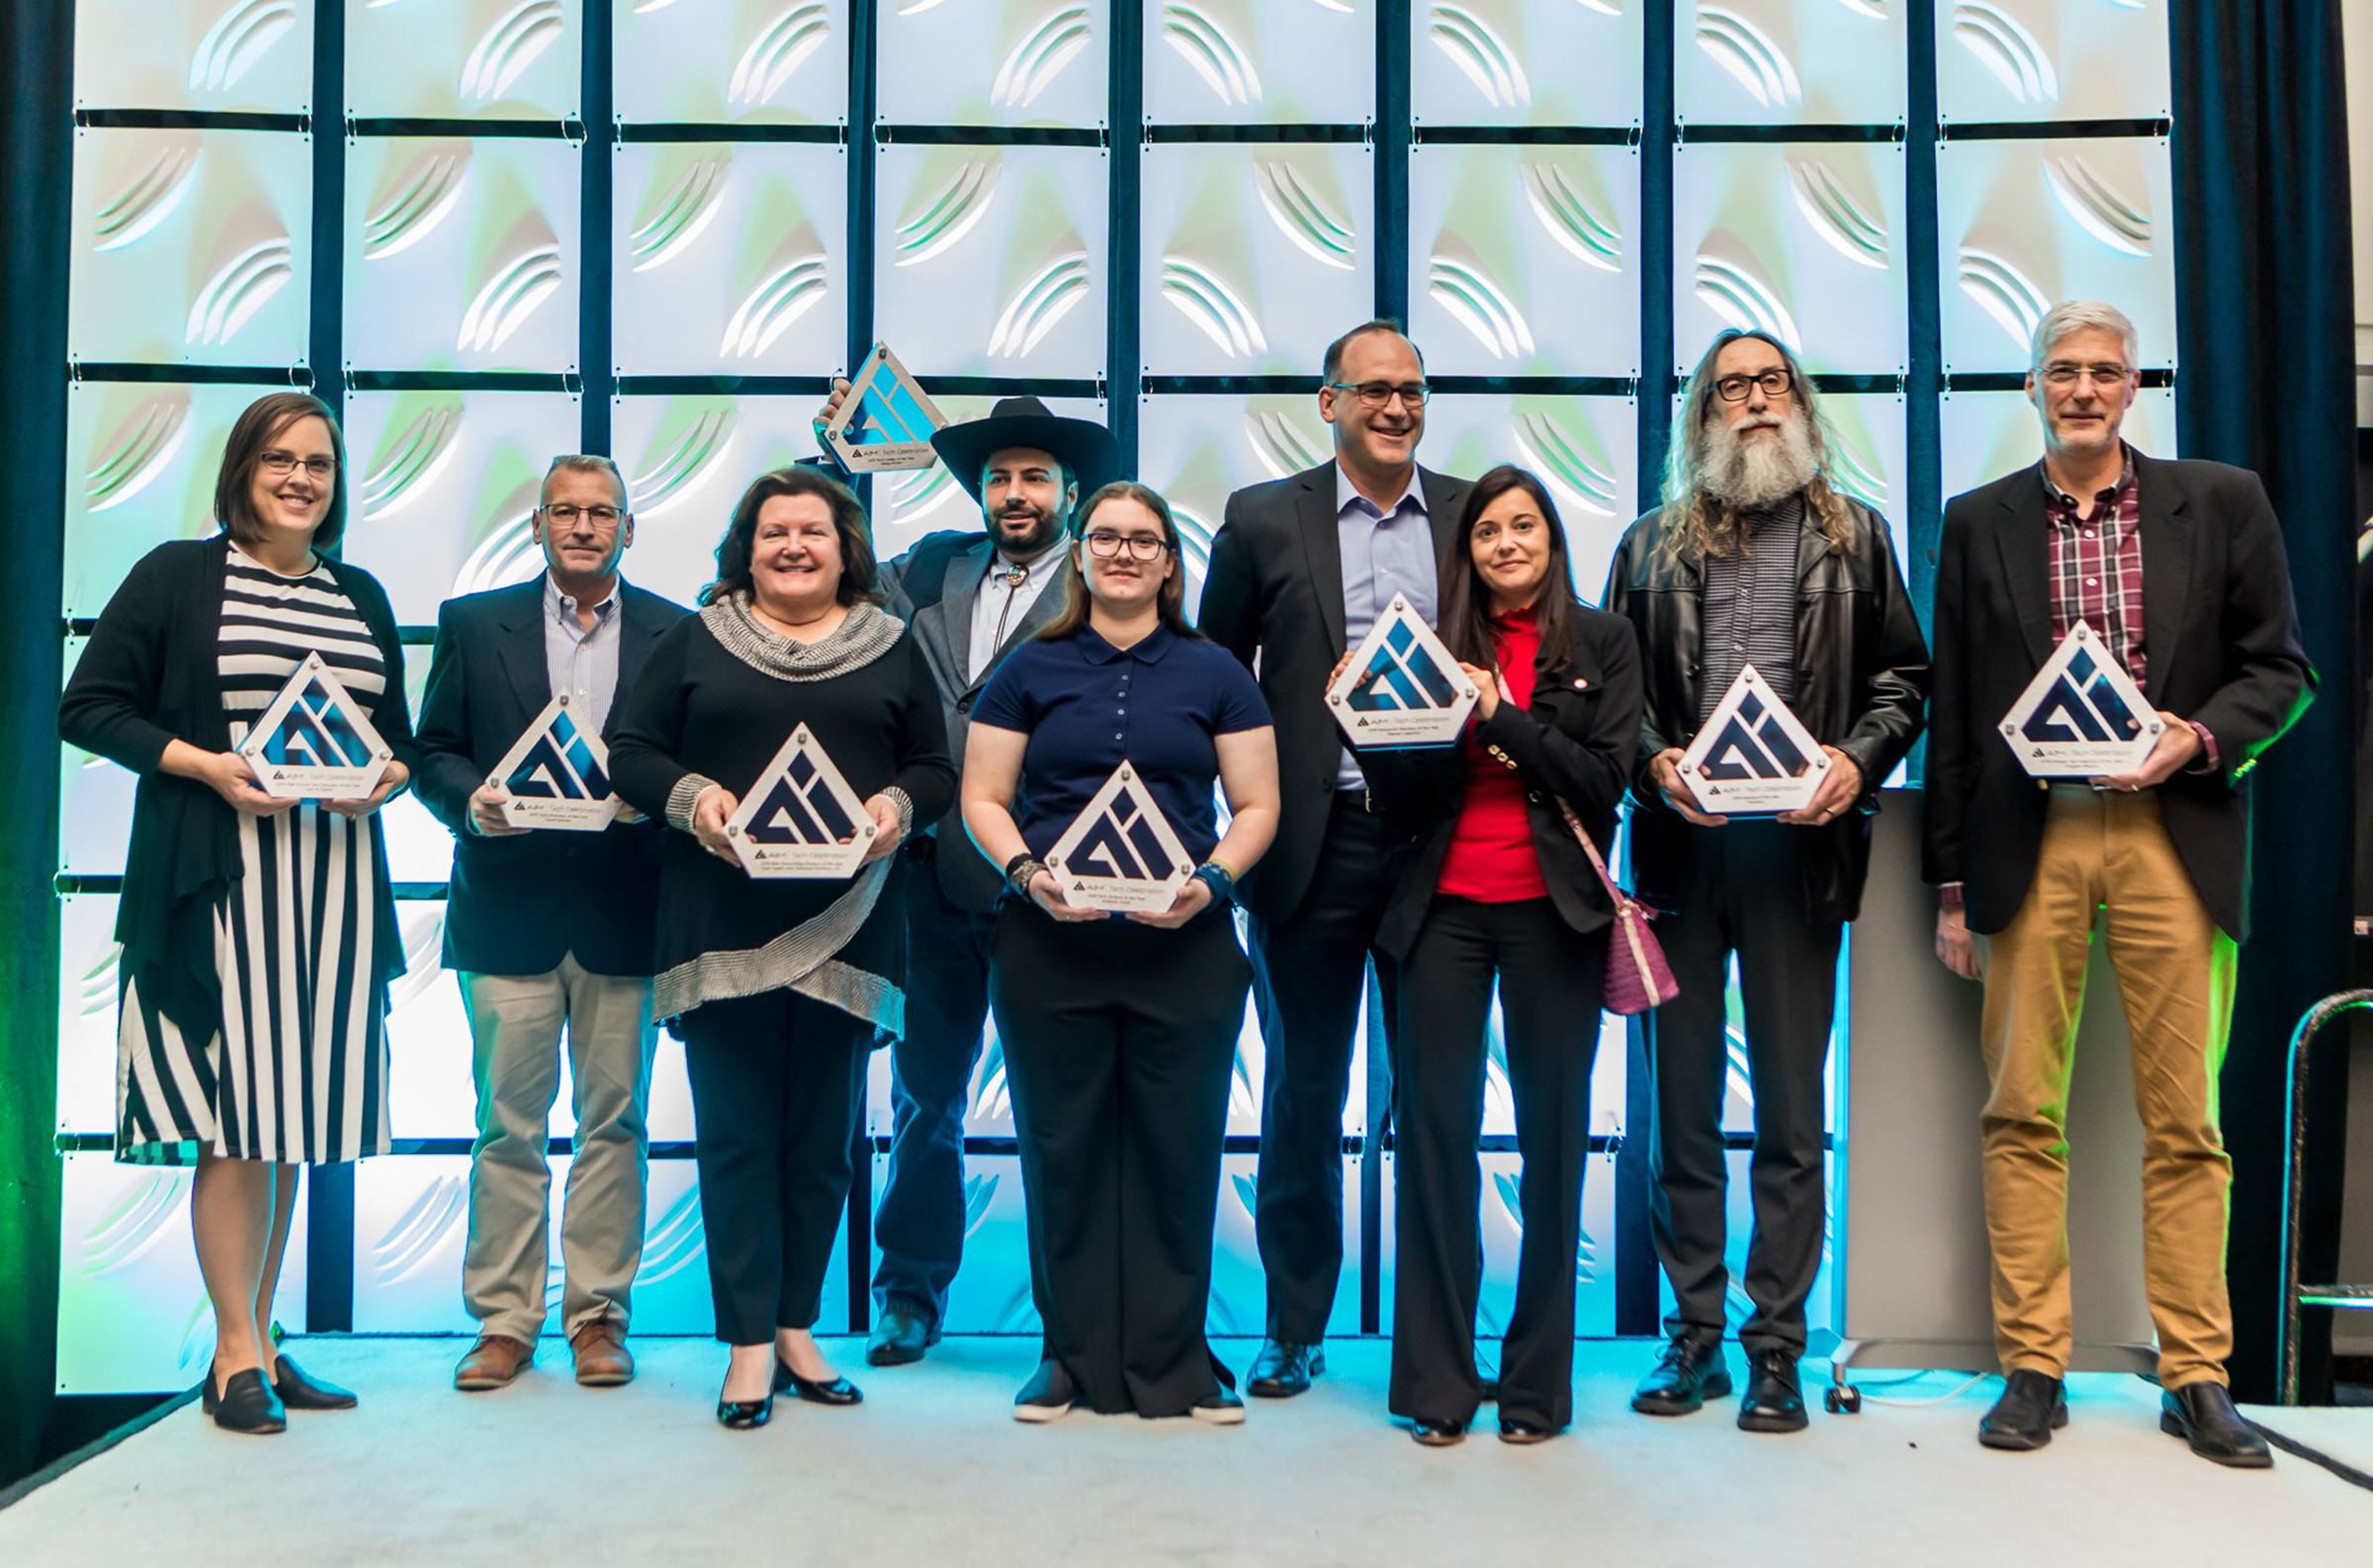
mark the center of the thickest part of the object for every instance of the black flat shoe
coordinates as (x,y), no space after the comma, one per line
(1283,1368)
(2033,1406)
(745,1415)
(246,1403)
(2202,1415)
(1523,1431)
(300,1392)
(1437,1433)
(840,1391)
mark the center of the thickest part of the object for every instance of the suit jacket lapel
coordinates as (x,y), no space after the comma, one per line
(1322,545)
(2019,536)
(638,629)
(959,591)
(1041,610)
(2167,554)
(522,620)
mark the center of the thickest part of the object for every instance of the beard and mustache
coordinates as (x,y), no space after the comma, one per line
(1756,475)
(1045,526)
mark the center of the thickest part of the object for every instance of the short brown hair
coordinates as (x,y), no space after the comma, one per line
(1170,602)
(265,420)
(859,578)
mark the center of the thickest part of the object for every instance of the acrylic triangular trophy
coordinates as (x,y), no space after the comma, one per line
(1403,688)
(1119,854)
(315,741)
(800,818)
(556,775)
(2082,715)
(1752,757)
(886,421)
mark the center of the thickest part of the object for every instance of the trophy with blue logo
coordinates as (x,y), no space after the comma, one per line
(800,818)
(1120,854)
(1403,686)
(887,421)
(1752,757)
(2082,716)
(557,774)
(315,741)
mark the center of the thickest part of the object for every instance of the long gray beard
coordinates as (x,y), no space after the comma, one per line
(1754,475)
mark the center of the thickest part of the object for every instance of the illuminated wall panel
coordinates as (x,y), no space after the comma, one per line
(1785,62)
(687,460)
(2048,59)
(747,61)
(993,62)
(1260,63)
(141,461)
(1584,449)
(224,54)
(1522,62)
(456,58)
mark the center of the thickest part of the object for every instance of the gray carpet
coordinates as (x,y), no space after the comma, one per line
(932,1470)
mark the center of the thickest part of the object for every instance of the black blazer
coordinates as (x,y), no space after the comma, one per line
(1574,744)
(149,676)
(2221,645)
(519,905)
(1274,592)
(934,588)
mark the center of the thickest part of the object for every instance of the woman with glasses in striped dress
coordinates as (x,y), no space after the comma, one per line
(259,933)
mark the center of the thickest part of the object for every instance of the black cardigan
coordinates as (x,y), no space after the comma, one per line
(149,676)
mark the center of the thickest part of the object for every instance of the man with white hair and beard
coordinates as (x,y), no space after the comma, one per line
(1755,559)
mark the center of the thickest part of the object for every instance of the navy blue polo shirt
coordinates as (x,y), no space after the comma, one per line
(1088,707)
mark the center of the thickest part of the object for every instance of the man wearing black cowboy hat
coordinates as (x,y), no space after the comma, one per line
(969,598)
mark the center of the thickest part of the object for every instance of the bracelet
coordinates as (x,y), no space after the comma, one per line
(1019,870)
(1215,875)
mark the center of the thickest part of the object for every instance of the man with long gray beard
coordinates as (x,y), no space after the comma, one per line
(1756,559)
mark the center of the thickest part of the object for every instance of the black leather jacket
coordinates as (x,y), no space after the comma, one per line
(1862,681)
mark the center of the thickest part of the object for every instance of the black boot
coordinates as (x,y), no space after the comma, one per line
(2033,1406)
(1689,1372)
(2202,1415)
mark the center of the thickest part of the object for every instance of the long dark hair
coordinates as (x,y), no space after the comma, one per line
(265,420)
(1170,603)
(860,579)
(1466,602)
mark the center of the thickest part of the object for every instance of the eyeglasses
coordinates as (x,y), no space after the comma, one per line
(1734,388)
(2061,373)
(278,464)
(1378,394)
(599,516)
(1105,546)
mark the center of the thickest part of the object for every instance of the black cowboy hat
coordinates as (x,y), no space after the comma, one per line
(1079,444)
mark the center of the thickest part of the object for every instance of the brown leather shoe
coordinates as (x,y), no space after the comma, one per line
(493,1362)
(602,1359)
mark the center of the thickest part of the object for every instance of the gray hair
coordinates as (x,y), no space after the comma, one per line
(2082,315)
(585,462)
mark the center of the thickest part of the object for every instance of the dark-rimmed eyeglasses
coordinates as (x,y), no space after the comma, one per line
(1107,546)
(1378,394)
(280,464)
(1734,388)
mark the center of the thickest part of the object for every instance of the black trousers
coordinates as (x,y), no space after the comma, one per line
(1310,973)
(920,1223)
(777,1081)
(1742,890)
(1120,1040)
(1549,979)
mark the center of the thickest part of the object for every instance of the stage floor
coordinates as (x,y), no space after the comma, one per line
(933,1470)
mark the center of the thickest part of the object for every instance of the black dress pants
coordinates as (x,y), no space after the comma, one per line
(776,1079)
(1550,980)
(920,1223)
(1311,973)
(1743,890)
(1120,1041)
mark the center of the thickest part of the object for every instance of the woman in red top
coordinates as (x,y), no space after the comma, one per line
(1499,889)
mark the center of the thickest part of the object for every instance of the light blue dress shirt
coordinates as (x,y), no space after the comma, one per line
(1384,552)
(582,662)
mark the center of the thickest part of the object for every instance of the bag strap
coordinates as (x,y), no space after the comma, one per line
(1597,864)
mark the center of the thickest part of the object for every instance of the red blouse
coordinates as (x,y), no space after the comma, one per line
(1492,858)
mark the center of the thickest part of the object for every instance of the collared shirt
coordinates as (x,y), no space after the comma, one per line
(1384,552)
(581,663)
(2094,564)
(1088,707)
(1005,600)
(1750,609)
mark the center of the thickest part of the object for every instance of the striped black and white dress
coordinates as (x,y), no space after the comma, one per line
(297,1071)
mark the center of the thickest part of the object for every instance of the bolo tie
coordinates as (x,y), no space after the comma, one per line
(1012,576)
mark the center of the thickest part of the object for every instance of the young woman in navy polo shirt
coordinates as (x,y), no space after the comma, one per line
(1499,891)
(1120,1032)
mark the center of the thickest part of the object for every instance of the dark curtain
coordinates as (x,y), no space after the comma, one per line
(2263,306)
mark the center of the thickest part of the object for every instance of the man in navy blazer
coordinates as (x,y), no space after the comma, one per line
(548,929)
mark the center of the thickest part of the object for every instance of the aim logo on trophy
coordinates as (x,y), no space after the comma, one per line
(315,741)
(1752,757)
(800,818)
(887,421)
(2082,716)
(556,775)
(1403,686)
(1119,854)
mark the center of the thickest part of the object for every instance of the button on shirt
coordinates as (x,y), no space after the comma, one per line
(1750,614)
(1384,552)
(2094,565)
(581,663)
(1088,707)
(1004,602)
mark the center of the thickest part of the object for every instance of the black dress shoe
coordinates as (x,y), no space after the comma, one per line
(840,1391)
(1047,1396)
(1514,1430)
(1283,1368)
(745,1415)
(2202,1415)
(2033,1406)
(900,1336)
(246,1403)
(1689,1372)
(1435,1434)
(300,1392)
(1774,1400)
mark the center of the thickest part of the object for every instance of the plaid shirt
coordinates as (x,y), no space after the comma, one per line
(2095,565)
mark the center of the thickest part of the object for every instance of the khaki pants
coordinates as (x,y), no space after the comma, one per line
(515,1027)
(2109,854)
